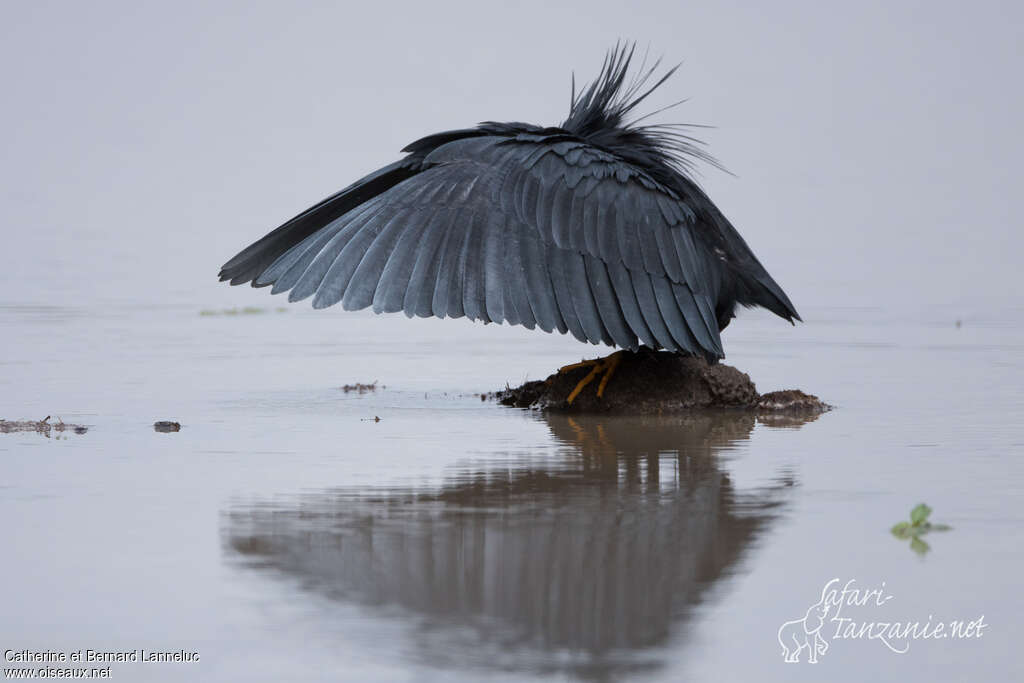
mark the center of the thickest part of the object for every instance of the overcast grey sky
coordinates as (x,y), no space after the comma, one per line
(877,146)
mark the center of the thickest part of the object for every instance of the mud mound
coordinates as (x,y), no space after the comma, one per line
(649,382)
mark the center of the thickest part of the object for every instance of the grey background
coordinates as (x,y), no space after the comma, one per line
(876,146)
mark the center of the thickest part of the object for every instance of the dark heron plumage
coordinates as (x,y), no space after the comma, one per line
(594,227)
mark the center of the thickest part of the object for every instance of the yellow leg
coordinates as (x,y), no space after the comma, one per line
(584,382)
(610,363)
(581,364)
(606,365)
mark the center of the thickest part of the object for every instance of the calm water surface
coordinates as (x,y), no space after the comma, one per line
(286,534)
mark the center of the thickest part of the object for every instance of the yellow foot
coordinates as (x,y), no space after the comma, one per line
(606,365)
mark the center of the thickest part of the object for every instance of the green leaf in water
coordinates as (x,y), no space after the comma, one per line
(917,527)
(901,530)
(919,515)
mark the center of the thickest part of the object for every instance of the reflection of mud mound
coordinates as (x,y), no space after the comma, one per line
(632,436)
(599,554)
(655,383)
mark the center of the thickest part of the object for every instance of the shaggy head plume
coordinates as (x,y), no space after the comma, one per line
(600,114)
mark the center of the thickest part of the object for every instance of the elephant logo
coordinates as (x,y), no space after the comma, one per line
(798,634)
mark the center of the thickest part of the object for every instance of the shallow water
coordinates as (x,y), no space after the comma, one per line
(285,533)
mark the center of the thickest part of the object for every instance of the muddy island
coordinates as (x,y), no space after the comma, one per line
(653,383)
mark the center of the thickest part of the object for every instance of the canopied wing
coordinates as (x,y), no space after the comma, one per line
(252,261)
(533,229)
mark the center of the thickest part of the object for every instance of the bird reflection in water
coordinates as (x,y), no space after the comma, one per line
(582,564)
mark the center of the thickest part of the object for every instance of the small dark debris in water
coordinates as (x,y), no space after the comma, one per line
(166,426)
(375,418)
(959,324)
(658,382)
(44,426)
(361,388)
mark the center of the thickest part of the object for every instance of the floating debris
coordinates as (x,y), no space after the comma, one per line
(361,388)
(375,418)
(657,382)
(167,426)
(44,426)
(248,310)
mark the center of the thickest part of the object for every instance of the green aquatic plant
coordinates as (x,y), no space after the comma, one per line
(917,526)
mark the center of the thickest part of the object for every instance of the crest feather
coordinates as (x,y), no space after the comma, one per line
(600,113)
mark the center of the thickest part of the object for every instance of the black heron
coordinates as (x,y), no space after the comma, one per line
(594,227)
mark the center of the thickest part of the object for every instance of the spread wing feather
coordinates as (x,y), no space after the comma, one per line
(524,229)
